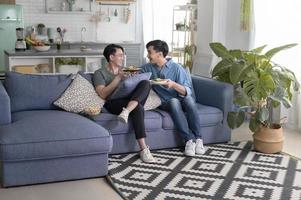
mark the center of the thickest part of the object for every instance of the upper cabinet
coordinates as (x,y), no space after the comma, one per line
(115,1)
(69,6)
(79,6)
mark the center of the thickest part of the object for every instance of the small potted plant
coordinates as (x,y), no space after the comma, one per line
(180,26)
(69,64)
(260,85)
(71,4)
(189,52)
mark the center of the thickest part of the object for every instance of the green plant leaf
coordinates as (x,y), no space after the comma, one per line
(238,71)
(236,53)
(258,49)
(275,104)
(262,115)
(269,54)
(221,67)
(235,119)
(240,96)
(286,102)
(231,119)
(219,50)
(253,125)
(240,118)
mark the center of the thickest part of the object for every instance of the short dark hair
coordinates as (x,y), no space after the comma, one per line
(159,46)
(111,49)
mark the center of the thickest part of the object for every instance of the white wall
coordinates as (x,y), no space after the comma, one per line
(114,31)
(218,21)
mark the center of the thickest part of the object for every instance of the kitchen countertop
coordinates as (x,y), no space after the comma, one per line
(54,52)
(99,42)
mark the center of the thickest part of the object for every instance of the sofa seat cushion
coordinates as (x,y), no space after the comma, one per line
(49,134)
(210,116)
(153,121)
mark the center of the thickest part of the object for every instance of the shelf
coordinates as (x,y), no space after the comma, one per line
(185,7)
(69,12)
(181,30)
(115,2)
(82,7)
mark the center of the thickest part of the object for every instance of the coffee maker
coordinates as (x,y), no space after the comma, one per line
(20,43)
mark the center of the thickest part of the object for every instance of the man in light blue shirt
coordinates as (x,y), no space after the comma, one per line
(175,91)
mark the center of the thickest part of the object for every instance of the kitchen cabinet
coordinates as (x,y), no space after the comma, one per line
(31,61)
(133,51)
(62,7)
(7,2)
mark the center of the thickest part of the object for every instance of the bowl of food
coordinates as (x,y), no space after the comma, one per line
(42,48)
(131,69)
(158,81)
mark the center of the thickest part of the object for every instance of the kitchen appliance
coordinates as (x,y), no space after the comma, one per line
(11,17)
(51,34)
(20,43)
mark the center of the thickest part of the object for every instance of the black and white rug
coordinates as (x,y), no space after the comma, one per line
(225,171)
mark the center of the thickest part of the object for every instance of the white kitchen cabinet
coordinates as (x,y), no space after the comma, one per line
(31,59)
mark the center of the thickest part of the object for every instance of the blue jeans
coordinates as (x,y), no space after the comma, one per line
(188,124)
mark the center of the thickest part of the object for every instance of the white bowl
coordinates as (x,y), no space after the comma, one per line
(42,48)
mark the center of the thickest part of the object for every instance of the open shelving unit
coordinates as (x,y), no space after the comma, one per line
(183,31)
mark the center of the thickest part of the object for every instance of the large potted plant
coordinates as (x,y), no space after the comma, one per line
(260,85)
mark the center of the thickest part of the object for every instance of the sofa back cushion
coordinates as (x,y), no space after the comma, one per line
(35,92)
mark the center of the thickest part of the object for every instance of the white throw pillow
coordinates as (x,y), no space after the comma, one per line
(80,96)
(153,101)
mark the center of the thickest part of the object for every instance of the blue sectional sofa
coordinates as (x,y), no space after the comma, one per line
(41,143)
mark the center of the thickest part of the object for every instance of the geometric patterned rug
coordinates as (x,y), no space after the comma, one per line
(225,171)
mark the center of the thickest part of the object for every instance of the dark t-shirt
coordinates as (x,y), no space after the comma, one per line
(102,76)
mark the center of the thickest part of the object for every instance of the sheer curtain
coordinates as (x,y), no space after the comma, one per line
(278,22)
(157,19)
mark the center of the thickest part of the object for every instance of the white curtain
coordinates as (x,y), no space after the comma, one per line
(157,19)
(278,22)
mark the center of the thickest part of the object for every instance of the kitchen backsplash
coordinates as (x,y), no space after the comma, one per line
(108,30)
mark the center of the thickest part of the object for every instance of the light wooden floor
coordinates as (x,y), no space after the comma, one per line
(98,189)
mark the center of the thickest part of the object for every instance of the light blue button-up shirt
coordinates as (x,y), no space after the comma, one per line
(172,71)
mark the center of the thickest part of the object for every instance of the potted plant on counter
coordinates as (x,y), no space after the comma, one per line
(260,85)
(69,64)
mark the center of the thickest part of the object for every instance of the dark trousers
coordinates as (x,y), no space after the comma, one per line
(140,95)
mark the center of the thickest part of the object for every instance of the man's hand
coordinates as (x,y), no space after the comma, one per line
(174,85)
(169,84)
(121,75)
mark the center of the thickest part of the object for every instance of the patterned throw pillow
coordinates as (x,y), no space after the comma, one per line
(80,97)
(153,101)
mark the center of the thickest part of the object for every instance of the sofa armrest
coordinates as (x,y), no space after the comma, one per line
(5,112)
(213,93)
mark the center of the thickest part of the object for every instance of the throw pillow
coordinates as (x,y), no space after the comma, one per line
(127,86)
(80,97)
(153,101)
